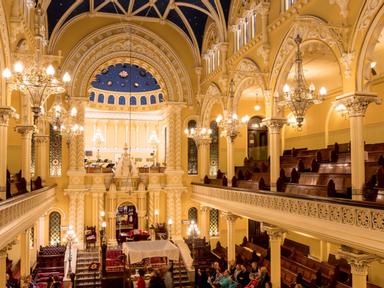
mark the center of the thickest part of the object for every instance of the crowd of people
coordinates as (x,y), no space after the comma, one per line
(159,278)
(237,276)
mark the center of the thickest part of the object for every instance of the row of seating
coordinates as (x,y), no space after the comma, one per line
(17,185)
(50,263)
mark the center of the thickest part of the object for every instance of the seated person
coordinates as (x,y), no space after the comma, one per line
(243,276)
(226,281)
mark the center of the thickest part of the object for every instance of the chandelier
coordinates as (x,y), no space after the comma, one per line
(63,121)
(302,96)
(199,134)
(36,81)
(229,123)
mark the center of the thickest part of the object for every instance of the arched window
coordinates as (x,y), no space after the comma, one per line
(257,139)
(214,222)
(121,100)
(152,99)
(132,101)
(55,152)
(92,96)
(214,149)
(161,97)
(111,99)
(100,99)
(192,214)
(192,152)
(54,228)
(143,100)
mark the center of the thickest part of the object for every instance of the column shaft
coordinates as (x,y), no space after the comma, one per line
(230,164)
(274,158)
(275,262)
(204,222)
(41,234)
(3,159)
(24,254)
(3,267)
(231,257)
(203,159)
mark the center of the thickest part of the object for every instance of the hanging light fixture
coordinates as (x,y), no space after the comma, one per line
(36,81)
(199,134)
(229,122)
(302,96)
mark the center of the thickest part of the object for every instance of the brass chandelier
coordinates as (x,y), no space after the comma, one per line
(302,96)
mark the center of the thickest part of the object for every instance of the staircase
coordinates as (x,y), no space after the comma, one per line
(84,277)
(180,270)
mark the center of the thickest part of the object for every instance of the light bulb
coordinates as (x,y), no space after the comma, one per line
(203,131)
(73,112)
(18,67)
(323,91)
(50,70)
(66,77)
(312,87)
(170,221)
(156,212)
(245,119)
(104,224)
(234,116)
(257,107)
(7,73)
(209,131)
(219,118)
(286,89)
(186,131)
(102,213)
(373,64)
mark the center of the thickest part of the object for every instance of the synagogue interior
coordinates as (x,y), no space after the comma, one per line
(192,143)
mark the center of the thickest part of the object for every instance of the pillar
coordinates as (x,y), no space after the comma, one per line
(178,130)
(223,49)
(204,222)
(111,215)
(171,210)
(275,239)
(356,105)
(80,218)
(171,139)
(42,156)
(3,267)
(5,114)
(274,129)
(26,156)
(230,164)
(24,254)
(324,250)
(41,232)
(178,214)
(231,219)
(203,157)
(359,262)
(142,208)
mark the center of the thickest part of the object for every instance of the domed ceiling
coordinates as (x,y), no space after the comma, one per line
(189,15)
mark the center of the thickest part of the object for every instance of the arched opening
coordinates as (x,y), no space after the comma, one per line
(214,149)
(192,152)
(257,139)
(192,214)
(54,228)
(126,220)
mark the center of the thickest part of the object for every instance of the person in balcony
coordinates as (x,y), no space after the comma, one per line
(140,280)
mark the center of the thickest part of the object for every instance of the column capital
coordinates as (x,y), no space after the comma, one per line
(41,139)
(358,260)
(357,103)
(274,124)
(203,141)
(263,7)
(6,113)
(25,130)
(204,209)
(231,217)
(274,233)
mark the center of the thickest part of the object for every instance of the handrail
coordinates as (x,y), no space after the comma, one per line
(29,195)
(348,202)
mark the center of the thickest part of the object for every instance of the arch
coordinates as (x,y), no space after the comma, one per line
(100,98)
(111,99)
(161,98)
(373,29)
(92,96)
(54,228)
(121,100)
(143,100)
(212,96)
(257,135)
(132,101)
(152,99)
(141,46)
(310,28)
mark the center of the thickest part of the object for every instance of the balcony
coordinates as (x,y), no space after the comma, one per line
(21,212)
(353,223)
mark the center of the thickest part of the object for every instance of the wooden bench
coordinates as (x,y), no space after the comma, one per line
(342,181)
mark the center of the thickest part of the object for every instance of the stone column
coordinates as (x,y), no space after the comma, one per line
(142,209)
(3,266)
(80,218)
(95,212)
(171,209)
(223,49)
(203,147)
(276,237)
(111,215)
(231,219)
(80,138)
(359,262)
(41,233)
(230,164)
(24,254)
(42,156)
(5,114)
(204,222)
(26,156)
(171,140)
(274,128)
(178,214)
(357,104)
(177,132)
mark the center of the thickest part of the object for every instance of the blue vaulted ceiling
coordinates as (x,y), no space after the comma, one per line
(189,15)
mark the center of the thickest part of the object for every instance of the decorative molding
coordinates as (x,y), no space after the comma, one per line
(343,5)
(6,113)
(25,130)
(369,10)
(274,124)
(346,60)
(357,103)
(358,260)
(274,233)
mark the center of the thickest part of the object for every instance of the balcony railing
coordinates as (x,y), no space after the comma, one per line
(355,223)
(21,212)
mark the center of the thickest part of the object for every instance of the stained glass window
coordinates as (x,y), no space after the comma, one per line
(192,152)
(54,228)
(132,101)
(54,152)
(143,100)
(214,149)
(100,99)
(214,222)
(152,99)
(111,99)
(121,100)
(192,214)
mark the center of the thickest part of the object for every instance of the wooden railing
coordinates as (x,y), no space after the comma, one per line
(358,224)
(21,212)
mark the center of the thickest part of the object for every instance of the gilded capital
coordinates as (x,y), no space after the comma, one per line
(357,103)
(358,260)
(274,233)
(25,130)
(6,113)
(274,124)
(231,217)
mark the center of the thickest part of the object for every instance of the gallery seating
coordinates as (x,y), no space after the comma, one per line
(50,262)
